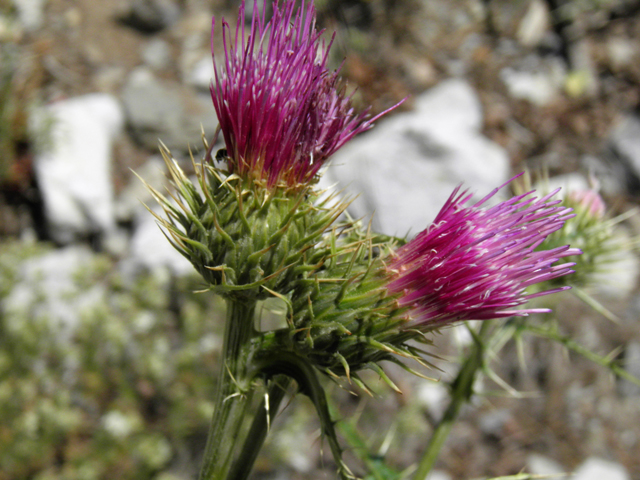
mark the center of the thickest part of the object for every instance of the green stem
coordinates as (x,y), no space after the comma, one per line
(299,368)
(461,393)
(233,396)
(568,342)
(260,427)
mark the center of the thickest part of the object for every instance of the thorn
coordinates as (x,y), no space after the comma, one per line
(266,407)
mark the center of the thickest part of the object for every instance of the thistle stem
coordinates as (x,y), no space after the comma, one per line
(260,427)
(461,393)
(606,362)
(233,395)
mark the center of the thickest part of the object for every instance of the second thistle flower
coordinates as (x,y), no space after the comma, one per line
(476,263)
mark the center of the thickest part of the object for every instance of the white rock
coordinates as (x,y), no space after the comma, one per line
(434,397)
(542,465)
(618,278)
(598,469)
(570,182)
(621,52)
(118,424)
(535,23)
(537,80)
(73,168)
(438,475)
(150,250)
(30,13)
(408,165)
(461,335)
(202,73)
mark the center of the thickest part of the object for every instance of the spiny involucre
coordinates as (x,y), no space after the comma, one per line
(476,262)
(281,111)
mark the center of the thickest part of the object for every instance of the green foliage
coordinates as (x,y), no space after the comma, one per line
(123,395)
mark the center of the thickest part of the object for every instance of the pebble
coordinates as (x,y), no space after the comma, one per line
(538,80)
(151,16)
(156,54)
(598,469)
(542,465)
(535,24)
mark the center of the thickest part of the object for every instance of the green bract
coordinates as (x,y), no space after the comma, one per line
(245,240)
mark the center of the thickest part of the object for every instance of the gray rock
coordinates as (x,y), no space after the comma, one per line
(73,164)
(130,203)
(151,15)
(625,141)
(162,111)
(631,365)
(622,52)
(536,79)
(528,21)
(612,174)
(598,469)
(156,54)
(492,423)
(408,165)
(507,15)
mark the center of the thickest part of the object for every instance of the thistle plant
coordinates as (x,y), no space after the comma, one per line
(255,226)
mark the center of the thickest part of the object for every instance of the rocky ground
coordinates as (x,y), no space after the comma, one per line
(493,86)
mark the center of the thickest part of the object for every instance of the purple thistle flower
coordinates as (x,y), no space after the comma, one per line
(281,112)
(475,263)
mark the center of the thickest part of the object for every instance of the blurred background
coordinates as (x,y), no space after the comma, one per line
(108,358)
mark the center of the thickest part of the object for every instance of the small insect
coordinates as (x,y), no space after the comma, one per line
(221,155)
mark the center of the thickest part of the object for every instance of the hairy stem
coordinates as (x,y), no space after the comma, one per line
(569,343)
(233,396)
(260,427)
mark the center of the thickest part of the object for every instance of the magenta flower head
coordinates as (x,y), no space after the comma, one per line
(281,112)
(476,262)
